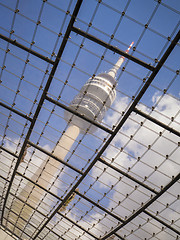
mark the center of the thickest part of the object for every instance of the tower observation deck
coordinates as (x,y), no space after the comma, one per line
(96,96)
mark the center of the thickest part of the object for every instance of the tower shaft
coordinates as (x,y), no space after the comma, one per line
(45,174)
(93,100)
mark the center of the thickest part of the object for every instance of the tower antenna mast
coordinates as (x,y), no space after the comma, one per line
(115,68)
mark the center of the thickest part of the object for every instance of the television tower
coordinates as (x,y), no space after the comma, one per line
(96,96)
(93,100)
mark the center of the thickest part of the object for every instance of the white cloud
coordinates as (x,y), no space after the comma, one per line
(144,136)
(38,159)
(166,108)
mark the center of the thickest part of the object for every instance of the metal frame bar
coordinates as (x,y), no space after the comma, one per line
(29,50)
(10,210)
(81,195)
(79,115)
(55,234)
(127,175)
(142,209)
(77,225)
(162,222)
(31,223)
(38,109)
(117,235)
(15,111)
(99,206)
(54,157)
(89,200)
(37,185)
(123,120)
(78,193)
(12,234)
(8,151)
(112,48)
(154,120)
(6,180)
(17,228)
(28,204)
(34,209)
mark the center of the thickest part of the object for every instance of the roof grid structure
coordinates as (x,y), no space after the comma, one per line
(125,176)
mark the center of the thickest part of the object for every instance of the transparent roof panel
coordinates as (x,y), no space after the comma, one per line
(89,124)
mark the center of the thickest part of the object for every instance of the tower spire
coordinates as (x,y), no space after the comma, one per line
(113,71)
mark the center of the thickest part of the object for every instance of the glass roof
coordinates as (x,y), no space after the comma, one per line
(120,181)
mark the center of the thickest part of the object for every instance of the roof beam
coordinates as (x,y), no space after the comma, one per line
(144,207)
(29,50)
(6,180)
(77,225)
(17,228)
(39,186)
(127,175)
(121,123)
(30,224)
(8,151)
(78,193)
(15,111)
(67,218)
(79,115)
(112,48)
(41,101)
(126,115)
(12,234)
(162,222)
(54,157)
(99,206)
(154,120)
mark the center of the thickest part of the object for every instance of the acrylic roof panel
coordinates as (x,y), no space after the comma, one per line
(120,181)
